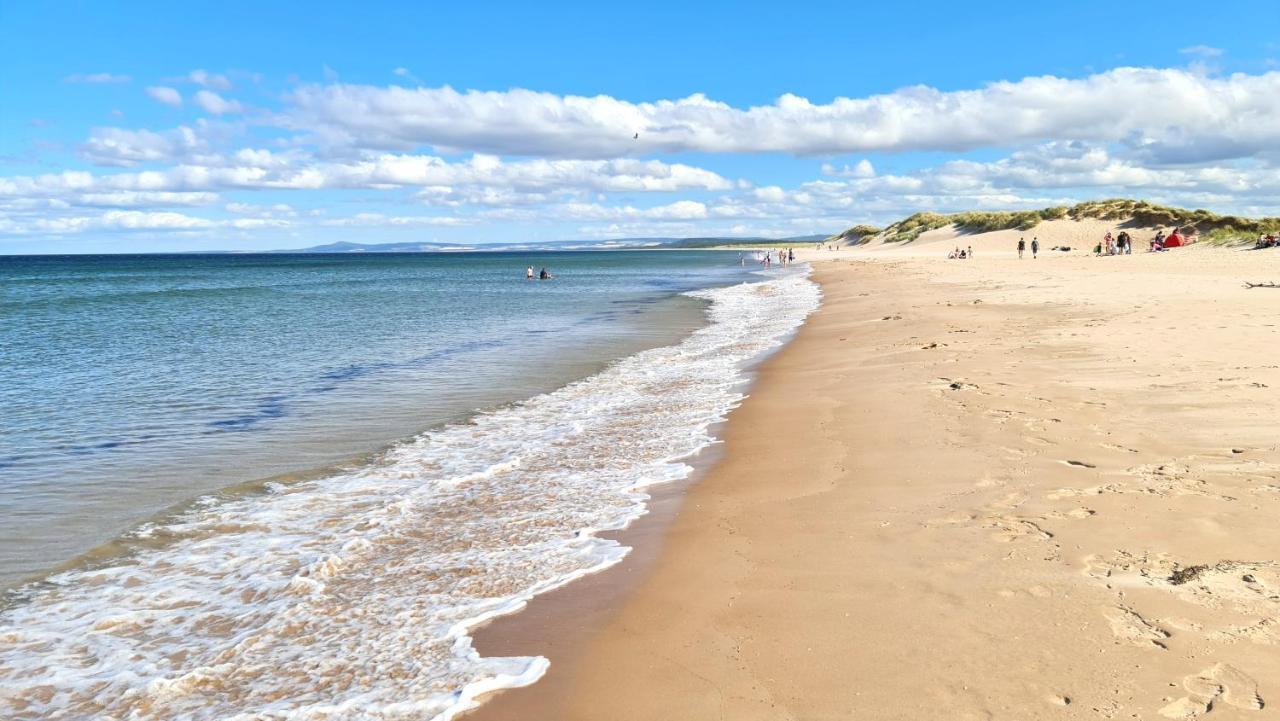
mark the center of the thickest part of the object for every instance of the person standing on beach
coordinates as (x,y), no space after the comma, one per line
(971,252)
(1035,247)
(1022,245)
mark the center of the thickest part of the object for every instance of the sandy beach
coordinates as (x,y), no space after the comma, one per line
(984,489)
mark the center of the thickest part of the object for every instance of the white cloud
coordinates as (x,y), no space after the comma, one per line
(1181,136)
(261,169)
(213,103)
(117,146)
(679,210)
(393,220)
(165,94)
(862,169)
(121,220)
(135,198)
(407,75)
(1165,111)
(261,210)
(209,80)
(97,78)
(1202,51)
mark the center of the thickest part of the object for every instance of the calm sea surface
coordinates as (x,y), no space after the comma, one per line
(131,384)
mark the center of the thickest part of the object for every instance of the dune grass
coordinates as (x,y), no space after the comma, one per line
(857,235)
(1211,227)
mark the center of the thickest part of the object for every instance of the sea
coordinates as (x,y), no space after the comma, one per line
(287,486)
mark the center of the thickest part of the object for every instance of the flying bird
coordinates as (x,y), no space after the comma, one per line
(636,136)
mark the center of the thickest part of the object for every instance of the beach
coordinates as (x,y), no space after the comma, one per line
(981,489)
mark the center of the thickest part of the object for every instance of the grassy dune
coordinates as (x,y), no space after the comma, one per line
(1224,229)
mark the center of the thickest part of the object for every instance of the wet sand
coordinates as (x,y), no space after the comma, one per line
(966,490)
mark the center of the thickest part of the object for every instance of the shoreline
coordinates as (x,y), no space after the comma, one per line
(961,491)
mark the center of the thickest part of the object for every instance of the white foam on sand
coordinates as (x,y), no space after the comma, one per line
(352,596)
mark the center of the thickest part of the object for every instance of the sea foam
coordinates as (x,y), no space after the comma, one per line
(353,596)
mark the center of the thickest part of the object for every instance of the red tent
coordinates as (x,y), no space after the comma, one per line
(1174,241)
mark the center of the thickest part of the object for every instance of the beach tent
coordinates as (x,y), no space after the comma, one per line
(1174,241)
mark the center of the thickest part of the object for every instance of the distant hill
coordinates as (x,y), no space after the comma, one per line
(553,245)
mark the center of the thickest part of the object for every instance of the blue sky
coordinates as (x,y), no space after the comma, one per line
(133,127)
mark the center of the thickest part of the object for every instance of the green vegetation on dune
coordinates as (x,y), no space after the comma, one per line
(975,221)
(1210,226)
(857,234)
(910,228)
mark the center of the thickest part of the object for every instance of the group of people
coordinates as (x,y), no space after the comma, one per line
(961,253)
(542,275)
(1266,241)
(1121,244)
(1035,247)
(1172,240)
(783,257)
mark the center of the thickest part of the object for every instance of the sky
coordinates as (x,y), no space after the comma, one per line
(153,127)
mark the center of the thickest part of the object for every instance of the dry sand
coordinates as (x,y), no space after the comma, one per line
(988,489)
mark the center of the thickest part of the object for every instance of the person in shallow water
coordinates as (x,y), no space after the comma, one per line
(544,275)
(528,273)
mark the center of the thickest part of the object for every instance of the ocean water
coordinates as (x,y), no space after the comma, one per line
(440,440)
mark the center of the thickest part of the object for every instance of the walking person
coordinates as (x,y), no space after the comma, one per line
(1035,247)
(1022,245)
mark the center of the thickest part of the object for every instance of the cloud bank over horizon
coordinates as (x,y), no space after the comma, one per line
(217,156)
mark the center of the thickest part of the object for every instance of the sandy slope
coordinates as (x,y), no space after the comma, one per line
(1081,236)
(968,490)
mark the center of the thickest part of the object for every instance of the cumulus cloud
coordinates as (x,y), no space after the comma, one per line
(213,103)
(862,169)
(165,94)
(1182,136)
(136,198)
(97,78)
(121,147)
(1158,108)
(262,169)
(116,220)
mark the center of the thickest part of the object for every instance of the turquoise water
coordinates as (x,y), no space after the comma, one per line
(136,383)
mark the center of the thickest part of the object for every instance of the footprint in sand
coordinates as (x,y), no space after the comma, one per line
(1011,528)
(1076,513)
(1063,493)
(1130,627)
(1221,683)
(1144,568)
(1265,632)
